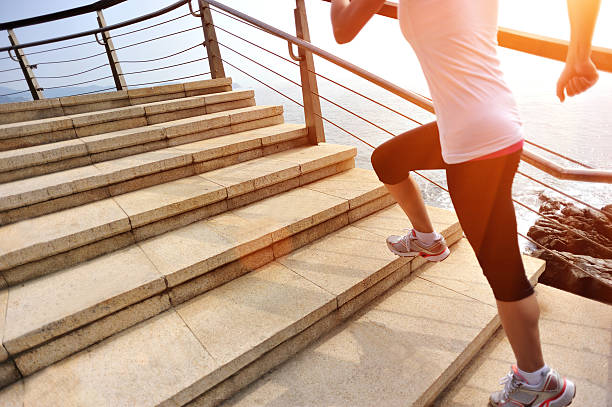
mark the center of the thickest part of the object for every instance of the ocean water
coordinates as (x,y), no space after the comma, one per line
(580,128)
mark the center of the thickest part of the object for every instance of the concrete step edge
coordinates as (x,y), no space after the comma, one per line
(143,214)
(52,107)
(53,157)
(100,174)
(83,124)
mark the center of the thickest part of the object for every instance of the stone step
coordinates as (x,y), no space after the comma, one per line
(203,348)
(576,336)
(42,245)
(46,108)
(51,192)
(400,350)
(54,316)
(46,158)
(77,126)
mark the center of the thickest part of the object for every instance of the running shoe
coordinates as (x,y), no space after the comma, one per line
(409,245)
(552,391)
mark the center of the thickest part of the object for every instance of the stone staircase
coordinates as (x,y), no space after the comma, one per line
(169,245)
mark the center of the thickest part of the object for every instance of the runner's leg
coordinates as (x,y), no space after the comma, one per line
(482,195)
(393,160)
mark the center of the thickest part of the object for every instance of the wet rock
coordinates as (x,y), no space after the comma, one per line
(582,236)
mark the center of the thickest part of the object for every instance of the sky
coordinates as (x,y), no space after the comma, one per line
(379,48)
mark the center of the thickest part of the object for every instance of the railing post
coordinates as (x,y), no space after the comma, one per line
(310,90)
(113,61)
(28,74)
(210,42)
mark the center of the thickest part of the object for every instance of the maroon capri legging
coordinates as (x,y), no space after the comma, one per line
(481,192)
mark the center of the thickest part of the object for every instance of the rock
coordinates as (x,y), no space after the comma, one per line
(596,283)
(584,237)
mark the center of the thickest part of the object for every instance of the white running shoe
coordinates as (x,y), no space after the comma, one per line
(552,391)
(409,246)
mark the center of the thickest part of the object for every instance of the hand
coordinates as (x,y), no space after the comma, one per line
(577,77)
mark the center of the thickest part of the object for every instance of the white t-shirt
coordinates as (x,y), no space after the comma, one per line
(455,41)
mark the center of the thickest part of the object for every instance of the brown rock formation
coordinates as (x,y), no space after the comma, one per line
(576,248)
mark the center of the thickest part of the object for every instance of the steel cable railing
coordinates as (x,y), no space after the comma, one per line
(118,48)
(69,60)
(151,26)
(11,69)
(166,67)
(58,48)
(565,194)
(164,57)
(79,83)
(158,38)
(298,103)
(586,238)
(73,74)
(322,76)
(172,80)
(14,80)
(314,93)
(95,91)
(16,93)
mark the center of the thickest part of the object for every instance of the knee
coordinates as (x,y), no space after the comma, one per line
(377,162)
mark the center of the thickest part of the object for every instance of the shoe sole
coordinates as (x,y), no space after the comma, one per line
(428,257)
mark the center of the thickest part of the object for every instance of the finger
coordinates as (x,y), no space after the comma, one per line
(583,84)
(561,88)
(571,87)
(578,84)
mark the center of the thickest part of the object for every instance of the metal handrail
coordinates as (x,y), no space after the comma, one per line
(59,15)
(100,30)
(590,175)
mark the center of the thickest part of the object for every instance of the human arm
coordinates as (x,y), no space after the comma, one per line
(580,72)
(348,17)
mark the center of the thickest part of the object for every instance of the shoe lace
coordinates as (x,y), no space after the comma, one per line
(511,384)
(406,238)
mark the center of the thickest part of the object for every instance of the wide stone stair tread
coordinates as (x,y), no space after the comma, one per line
(54,156)
(173,358)
(62,183)
(67,105)
(40,311)
(400,350)
(149,111)
(33,239)
(14,159)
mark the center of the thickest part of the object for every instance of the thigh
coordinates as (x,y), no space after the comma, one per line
(417,149)
(481,192)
